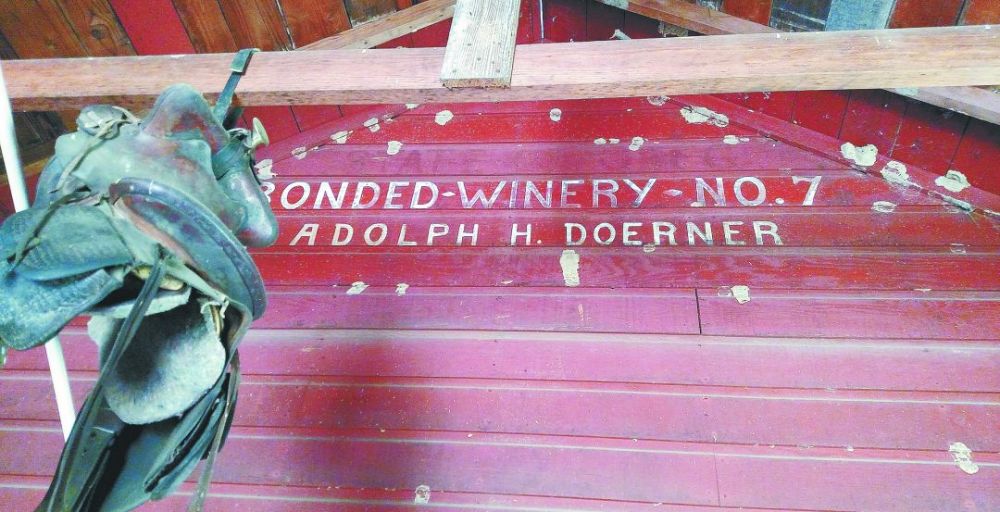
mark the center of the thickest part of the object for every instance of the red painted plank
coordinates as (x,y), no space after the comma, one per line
(612,469)
(153,26)
(934,315)
(808,268)
(641,229)
(856,485)
(873,117)
(416,127)
(981,12)
(519,309)
(860,419)
(776,104)
(528,23)
(565,21)
(694,158)
(925,13)
(822,111)
(920,365)
(432,36)
(311,116)
(929,136)
(753,10)
(24,493)
(278,121)
(918,179)
(978,154)
(782,189)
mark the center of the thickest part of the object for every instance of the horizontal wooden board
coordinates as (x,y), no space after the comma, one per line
(579,158)
(836,314)
(518,309)
(22,492)
(612,469)
(786,267)
(807,363)
(645,229)
(649,193)
(859,419)
(930,57)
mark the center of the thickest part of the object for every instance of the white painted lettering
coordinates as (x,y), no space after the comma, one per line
(436,230)
(348,231)
(391,194)
(289,205)
(515,234)
(706,235)
(325,192)
(628,231)
(612,233)
(418,189)
(718,193)
(479,196)
(609,192)
(761,191)
(308,231)
(474,234)
(729,231)
(359,193)
(402,241)
(530,189)
(383,232)
(567,193)
(581,233)
(763,227)
(664,229)
(641,192)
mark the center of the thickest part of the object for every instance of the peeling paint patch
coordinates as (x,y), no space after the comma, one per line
(263,169)
(733,140)
(401,289)
(357,287)
(340,137)
(657,101)
(506,281)
(884,206)
(958,203)
(618,34)
(372,125)
(411,106)
(963,457)
(422,494)
(702,115)
(300,152)
(741,293)
(614,140)
(443,117)
(674,192)
(393,147)
(895,173)
(648,248)
(570,263)
(953,181)
(637,143)
(957,248)
(555,115)
(600,141)
(865,156)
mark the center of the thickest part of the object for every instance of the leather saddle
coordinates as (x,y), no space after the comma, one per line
(141,225)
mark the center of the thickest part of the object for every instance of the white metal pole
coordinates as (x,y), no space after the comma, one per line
(19,192)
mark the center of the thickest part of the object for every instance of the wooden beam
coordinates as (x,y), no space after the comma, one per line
(913,58)
(387,28)
(966,100)
(480,51)
(694,17)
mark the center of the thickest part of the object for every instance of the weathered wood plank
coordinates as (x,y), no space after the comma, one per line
(309,21)
(966,100)
(691,16)
(363,11)
(806,61)
(480,51)
(388,27)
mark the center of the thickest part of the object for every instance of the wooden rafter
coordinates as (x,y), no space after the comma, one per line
(480,51)
(388,27)
(972,101)
(912,58)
